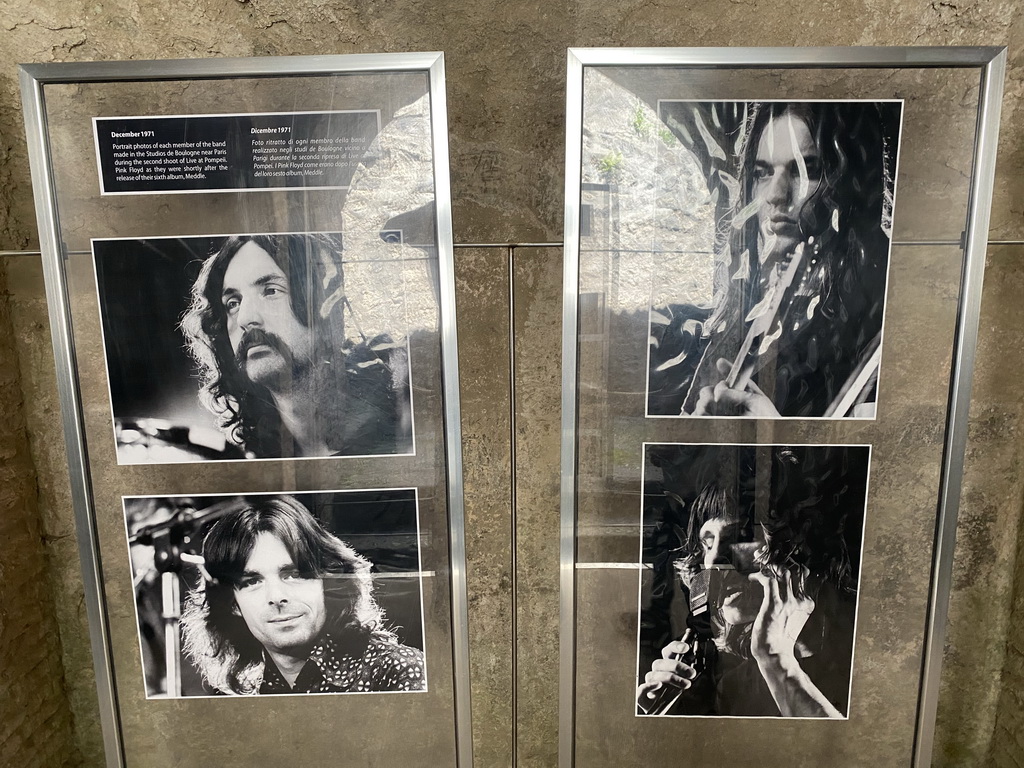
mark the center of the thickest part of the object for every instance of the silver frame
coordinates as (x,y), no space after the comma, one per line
(991,61)
(33,79)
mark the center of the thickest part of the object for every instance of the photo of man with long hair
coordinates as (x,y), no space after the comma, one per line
(804,195)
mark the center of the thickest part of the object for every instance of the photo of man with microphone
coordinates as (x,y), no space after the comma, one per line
(749,579)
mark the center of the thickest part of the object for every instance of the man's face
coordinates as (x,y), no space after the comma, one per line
(718,540)
(283,609)
(787,170)
(267,339)
(726,547)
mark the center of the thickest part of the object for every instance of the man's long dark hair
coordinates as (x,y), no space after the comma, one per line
(812,501)
(216,637)
(360,384)
(849,216)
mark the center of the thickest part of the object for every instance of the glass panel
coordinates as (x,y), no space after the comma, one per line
(336,261)
(660,191)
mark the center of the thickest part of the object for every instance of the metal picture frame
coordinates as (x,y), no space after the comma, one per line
(990,64)
(35,79)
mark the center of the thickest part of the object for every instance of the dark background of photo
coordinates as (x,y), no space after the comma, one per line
(381,525)
(144,287)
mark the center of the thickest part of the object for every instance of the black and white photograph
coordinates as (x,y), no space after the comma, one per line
(750,570)
(769,302)
(265,594)
(251,346)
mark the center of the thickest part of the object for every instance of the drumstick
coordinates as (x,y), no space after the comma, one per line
(740,374)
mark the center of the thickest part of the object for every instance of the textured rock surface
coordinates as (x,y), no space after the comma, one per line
(538,331)
(482,296)
(35,729)
(505,73)
(43,419)
(1006,750)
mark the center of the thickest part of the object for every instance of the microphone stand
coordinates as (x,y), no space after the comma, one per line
(171,551)
(170,589)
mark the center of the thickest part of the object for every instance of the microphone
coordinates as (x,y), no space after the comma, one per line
(187,518)
(704,593)
(170,538)
(700,590)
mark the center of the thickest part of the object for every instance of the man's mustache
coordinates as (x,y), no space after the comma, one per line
(256,337)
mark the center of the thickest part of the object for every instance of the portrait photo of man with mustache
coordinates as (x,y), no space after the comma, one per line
(245,346)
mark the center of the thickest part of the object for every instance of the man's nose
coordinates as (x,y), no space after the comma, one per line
(780,190)
(716,554)
(277,592)
(249,314)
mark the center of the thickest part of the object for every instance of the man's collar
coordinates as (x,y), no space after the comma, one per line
(323,651)
(322,666)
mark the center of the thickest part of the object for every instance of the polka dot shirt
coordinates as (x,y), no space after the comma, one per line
(384,665)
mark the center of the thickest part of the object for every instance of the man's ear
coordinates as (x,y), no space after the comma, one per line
(234,609)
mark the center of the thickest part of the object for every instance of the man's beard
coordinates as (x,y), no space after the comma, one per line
(284,373)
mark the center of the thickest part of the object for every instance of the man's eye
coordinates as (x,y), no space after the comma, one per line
(273,290)
(761,172)
(813,166)
(232,304)
(248,582)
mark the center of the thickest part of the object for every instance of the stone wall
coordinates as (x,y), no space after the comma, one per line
(505,75)
(35,728)
(1008,739)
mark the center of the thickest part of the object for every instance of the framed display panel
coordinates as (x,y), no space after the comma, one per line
(771,292)
(249,272)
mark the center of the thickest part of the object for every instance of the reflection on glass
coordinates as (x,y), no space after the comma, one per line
(293,344)
(751,562)
(333,276)
(757,235)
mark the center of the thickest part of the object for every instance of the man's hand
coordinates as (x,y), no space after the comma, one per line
(668,671)
(723,400)
(785,609)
